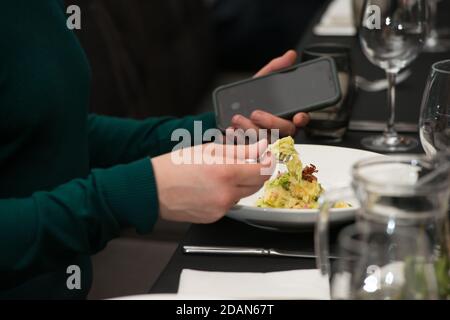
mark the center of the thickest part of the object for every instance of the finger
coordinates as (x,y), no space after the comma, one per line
(256,150)
(241,122)
(253,175)
(243,192)
(269,121)
(230,136)
(301,119)
(287,60)
(243,152)
(255,181)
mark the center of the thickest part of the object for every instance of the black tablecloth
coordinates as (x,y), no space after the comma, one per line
(368,106)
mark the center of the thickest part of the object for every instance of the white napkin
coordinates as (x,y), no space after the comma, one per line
(298,284)
(338,20)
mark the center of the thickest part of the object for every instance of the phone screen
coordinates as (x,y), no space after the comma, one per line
(304,87)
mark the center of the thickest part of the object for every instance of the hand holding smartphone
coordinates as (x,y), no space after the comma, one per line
(305,87)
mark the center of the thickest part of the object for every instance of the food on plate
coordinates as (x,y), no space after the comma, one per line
(298,187)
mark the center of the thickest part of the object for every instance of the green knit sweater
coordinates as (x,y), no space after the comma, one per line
(69,181)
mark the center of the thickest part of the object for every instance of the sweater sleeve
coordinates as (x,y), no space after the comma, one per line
(41,233)
(115,140)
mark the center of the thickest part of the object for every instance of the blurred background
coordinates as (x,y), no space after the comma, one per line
(164,57)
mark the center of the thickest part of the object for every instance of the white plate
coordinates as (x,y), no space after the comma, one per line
(334,165)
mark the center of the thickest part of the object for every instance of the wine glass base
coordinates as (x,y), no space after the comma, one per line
(387,143)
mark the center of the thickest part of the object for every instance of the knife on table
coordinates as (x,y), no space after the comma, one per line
(250,252)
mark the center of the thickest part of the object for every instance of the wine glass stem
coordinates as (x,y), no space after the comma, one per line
(433,17)
(390,129)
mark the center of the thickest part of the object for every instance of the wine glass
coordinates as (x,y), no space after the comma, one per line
(435,113)
(434,42)
(392,35)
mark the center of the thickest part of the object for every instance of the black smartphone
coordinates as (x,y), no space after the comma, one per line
(304,87)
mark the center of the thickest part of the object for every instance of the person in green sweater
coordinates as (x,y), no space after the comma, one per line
(71,181)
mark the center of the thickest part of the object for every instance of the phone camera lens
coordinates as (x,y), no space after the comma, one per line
(235,106)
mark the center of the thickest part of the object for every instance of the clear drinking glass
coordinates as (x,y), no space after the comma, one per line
(379,265)
(395,198)
(330,124)
(392,35)
(357,6)
(435,113)
(434,42)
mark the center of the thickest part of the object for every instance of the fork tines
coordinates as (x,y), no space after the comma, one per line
(282,157)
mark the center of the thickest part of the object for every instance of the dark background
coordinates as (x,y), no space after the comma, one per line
(163,57)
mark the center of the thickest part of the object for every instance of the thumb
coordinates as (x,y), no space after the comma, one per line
(247,152)
(256,150)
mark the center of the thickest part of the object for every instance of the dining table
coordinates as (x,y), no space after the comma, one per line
(368,110)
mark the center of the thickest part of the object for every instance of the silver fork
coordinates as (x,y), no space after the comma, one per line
(284,158)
